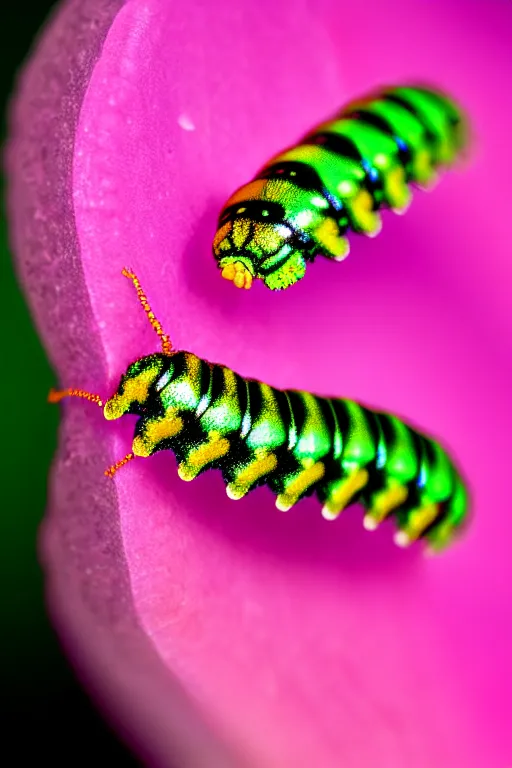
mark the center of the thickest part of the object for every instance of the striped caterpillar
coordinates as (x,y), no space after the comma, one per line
(305,199)
(294,442)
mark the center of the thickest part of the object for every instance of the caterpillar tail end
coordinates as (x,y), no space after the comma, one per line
(238,274)
(441,538)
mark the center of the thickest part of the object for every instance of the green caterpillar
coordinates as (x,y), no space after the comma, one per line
(294,442)
(305,200)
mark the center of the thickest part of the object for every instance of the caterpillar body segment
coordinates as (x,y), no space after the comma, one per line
(306,199)
(294,442)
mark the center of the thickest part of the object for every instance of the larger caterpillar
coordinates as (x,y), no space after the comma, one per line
(305,199)
(294,442)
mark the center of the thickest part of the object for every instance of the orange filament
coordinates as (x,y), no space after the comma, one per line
(110,472)
(56,395)
(164,338)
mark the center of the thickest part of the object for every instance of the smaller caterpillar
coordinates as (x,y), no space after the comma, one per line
(305,199)
(294,442)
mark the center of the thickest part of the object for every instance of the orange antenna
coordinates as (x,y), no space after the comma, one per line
(164,338)
(110,472)
(56,395)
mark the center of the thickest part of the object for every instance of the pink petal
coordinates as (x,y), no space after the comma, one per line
(292,640)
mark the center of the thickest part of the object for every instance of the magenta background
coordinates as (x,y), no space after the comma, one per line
(302,642)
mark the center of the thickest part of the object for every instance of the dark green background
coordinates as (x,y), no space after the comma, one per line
(44,713)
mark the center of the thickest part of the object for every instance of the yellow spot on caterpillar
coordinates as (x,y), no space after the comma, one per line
(268,237)
(397,191)
(383,503)
(422,169)
(304,480)
(365,218)
(230,383)
(240,233)
(155,431)
(135,391)
(263,465)
(328,235)
(215,447)
(343,492)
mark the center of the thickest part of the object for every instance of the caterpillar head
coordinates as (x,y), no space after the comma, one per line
(161,389)
(255,240)
(142,388)
(141,382)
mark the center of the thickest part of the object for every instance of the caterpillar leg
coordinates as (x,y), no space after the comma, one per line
(290,272)
(298,484)
(363,216)
(154,431)
(198,458)
(383,503)
(340,492)
(328,236)
(439,491)
(454,517)
(422,170)
(398,194)
(417,522)
(263,465)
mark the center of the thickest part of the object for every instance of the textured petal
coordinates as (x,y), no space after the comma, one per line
(295,641)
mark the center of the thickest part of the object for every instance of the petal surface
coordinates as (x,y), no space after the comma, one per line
(217,632)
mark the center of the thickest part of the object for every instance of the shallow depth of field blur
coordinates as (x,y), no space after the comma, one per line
(41,699)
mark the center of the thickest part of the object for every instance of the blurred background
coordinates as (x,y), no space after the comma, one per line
(43,709)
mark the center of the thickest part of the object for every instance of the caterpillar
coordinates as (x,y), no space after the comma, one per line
(304,200)
(294,442)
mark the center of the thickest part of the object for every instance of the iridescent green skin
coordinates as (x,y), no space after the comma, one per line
(294,442)
(335,179)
